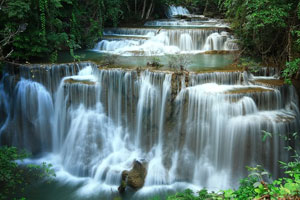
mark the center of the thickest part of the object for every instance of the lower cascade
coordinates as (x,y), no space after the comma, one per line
(185,129)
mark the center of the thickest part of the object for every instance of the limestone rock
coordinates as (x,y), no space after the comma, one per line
(135,178)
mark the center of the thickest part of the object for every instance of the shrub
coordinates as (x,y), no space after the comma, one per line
(14,177)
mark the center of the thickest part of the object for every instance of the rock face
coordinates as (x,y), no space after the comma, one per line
(135,178)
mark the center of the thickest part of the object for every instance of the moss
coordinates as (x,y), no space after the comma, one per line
(248,90)
(284,118)
(271,82)
(74,81)
(219,52)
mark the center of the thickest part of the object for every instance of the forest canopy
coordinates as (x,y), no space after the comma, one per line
(41,28)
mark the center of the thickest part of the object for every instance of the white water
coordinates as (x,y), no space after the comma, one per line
(164,41)
(200,22)
(95,131)
(176,10)
(169,36)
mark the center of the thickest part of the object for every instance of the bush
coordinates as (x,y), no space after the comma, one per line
(155,62)
(14,177)
(291,69)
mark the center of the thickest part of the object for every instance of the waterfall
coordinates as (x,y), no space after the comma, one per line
(98,121)
(186,42)
(29,123)
(199,23)
(232,121)
(194,34)
(176,10)
(191,129)
(132,41)
(216,41)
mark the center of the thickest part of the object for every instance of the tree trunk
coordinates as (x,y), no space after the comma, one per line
(206,6)
(149,10)
(152,9)
(290,56)
(144,9)
(135,6)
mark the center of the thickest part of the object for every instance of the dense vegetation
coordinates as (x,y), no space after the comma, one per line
(15,177)
(41,28)
(269,30)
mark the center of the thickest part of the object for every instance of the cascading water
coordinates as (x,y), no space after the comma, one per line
(193,130)
(176,10)
(186,42)
(164,41)
(169,36)
(29,125)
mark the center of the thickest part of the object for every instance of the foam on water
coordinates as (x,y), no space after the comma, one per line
(98,130)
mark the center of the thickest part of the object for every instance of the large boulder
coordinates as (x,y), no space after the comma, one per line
(135,178)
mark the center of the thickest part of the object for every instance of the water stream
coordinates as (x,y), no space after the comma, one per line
(194,130)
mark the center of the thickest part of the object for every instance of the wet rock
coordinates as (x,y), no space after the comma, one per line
(135,178)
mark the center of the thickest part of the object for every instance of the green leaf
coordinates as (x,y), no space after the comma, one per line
(266,135)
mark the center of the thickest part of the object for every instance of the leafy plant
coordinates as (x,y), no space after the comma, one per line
(53,25)
(155,62)
(291,69)
(263,27)
(15,177)
(266,135)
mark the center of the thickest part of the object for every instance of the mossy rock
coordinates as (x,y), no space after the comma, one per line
(135,178)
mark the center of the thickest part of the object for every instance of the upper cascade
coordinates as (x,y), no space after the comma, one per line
(174,11)
(201,22)
(149,42)
(190,34)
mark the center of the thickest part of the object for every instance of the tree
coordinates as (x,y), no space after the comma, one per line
(53,25)
(264,27)
(13,177)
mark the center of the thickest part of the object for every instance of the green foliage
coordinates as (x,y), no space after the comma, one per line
(55,25)
(14,177)
(202,194)
(155,62)
(156,198)
(266,135)
(262,25)
(291,69)
(186,195)
(246,189)
(254,187)
(249,63)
